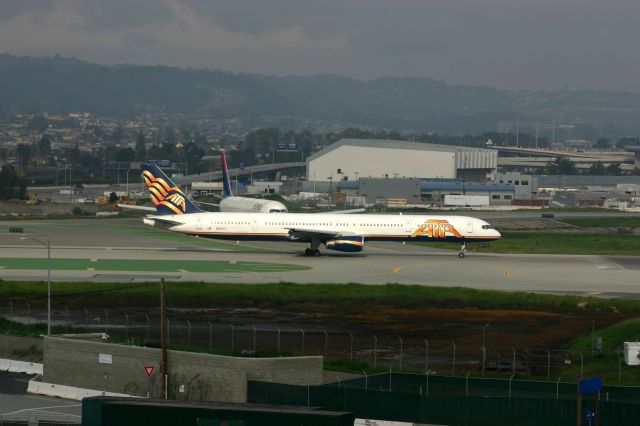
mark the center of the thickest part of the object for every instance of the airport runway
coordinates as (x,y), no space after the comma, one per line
(380,263)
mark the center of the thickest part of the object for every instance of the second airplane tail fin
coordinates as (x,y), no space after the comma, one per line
(225,175)
(166,195)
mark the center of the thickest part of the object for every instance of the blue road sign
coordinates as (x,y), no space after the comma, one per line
(590,385)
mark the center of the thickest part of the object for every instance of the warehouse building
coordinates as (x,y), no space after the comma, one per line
(353,159)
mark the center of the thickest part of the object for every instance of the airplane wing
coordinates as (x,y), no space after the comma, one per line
(344,211)
(142,208)
(298,234)
(206,204)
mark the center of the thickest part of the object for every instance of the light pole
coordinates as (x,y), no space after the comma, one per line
(128,170)
(484,348)
(48,246)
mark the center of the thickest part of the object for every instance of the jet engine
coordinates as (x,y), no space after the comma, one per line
(347,243)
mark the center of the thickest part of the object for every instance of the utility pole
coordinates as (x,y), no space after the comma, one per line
(163,340)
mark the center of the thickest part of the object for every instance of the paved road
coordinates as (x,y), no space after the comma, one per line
(15,405)
(380,263)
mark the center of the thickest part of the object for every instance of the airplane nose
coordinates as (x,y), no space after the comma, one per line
(497,233)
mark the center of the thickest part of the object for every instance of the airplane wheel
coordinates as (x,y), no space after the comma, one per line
(308,252)
(461,255)
(317,253)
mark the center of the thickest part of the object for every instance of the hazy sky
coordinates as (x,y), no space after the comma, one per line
(529,44)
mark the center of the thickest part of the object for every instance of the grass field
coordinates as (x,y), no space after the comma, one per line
(192,294)
(147,265)
(605,222)
(556,243)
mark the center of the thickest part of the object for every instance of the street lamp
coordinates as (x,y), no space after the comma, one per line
(48,246)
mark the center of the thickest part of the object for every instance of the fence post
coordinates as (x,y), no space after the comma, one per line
(168,332)
(66,309)
(466,385)
(426,357)
(453,361)
(302,347)
(581,365)
(366,380)
(375,351)
(427,385)
(28,318)
(106,320)
(210,336)
(350,346)
(254,337)
(326,342)
(513,363)
(400,338)
(147,318)
(188,333)
(558,388)
(548,365)
(510,379)
(232,342)
(278,342)
(126,327)
(619,369)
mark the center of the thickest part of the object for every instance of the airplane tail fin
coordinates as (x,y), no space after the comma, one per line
(225,175)
(166,195)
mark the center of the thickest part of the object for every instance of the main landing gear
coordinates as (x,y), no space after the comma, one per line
(463,250)
(313,250)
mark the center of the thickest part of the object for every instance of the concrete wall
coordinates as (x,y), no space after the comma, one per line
(380,163)
(192,376)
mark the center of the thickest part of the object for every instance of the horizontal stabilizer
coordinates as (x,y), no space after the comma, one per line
(141,208)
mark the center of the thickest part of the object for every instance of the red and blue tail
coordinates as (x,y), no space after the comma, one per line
(166,195)
(225,175)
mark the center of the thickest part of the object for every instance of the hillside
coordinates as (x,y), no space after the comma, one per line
(57,84)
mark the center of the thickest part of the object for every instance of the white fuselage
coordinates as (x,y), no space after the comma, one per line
(270,226)
(251,205)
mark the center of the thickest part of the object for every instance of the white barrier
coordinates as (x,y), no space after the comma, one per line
(66,392)
(13,366)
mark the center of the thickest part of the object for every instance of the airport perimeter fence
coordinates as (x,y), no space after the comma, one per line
(21,348)
(375,353)
(453,400)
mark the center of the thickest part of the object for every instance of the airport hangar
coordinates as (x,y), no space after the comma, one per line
(351,159)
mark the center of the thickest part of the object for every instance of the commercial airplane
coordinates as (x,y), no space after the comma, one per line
(231,203)
(345,233)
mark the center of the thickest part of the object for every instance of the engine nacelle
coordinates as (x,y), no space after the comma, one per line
(347,243)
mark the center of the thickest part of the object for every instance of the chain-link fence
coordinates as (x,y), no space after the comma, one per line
(453,400)
(197,331)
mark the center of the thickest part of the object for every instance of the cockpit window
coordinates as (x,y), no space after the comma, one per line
(487,226)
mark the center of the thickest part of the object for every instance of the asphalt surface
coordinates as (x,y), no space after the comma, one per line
(380,263)
(15,405)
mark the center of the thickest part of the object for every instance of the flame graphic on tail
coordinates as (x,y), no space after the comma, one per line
(165,195)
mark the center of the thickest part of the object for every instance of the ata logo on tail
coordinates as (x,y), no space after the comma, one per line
(164,194)
(436,229)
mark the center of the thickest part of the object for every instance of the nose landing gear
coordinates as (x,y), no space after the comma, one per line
(463,250)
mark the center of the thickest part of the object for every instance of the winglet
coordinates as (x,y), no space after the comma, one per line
(165,195)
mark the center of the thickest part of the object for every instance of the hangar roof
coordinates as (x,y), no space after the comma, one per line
(394,144)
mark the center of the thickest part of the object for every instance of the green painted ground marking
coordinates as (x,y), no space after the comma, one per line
(147,265)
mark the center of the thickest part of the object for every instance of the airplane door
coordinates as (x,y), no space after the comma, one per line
(470,227)
(408,226)
(254,225)
(199,223)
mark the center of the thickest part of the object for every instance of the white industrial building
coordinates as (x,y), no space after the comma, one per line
(351,159)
